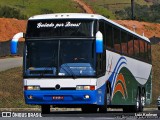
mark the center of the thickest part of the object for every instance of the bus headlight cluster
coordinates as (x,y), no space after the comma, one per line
(31,87)
(85,87)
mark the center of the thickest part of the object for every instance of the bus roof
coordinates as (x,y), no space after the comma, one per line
(82,16)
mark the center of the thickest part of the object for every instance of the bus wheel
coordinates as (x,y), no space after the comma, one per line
(135,108)
(158,108)
(126,109)
(103,109)
(139,106)
(45,109)
(143,97)
(89,109)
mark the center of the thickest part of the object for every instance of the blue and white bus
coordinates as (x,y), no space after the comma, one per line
(86,61)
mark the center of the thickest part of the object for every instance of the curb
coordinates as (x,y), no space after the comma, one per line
(61,109)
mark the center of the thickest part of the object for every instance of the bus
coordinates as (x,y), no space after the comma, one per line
(85,61)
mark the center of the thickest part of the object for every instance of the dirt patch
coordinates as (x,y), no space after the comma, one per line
(85,6)
(148,29)
(9,27)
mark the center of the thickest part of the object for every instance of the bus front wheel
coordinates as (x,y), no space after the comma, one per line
(103,109)
(89,109)
(45,109)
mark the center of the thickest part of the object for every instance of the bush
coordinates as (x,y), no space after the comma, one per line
(46,11)
(9,12)
(142,13)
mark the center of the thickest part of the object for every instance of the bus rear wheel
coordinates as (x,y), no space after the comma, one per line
(135,108)
(45,109)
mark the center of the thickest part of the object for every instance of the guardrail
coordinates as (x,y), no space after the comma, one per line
(5,48)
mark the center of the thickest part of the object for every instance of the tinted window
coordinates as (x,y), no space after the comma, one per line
(109,36)
(124,40)
(63,28)
(130,45)
(149,52)
(142,43)
(117,42)
(136,47)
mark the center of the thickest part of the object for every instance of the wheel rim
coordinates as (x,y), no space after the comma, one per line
(137,104)
(143,101)
(108,98)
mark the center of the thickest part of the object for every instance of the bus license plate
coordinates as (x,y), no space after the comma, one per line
(57,97)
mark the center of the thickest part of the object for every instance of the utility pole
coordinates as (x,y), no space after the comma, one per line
(132,9)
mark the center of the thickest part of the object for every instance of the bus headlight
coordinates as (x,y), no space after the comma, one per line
(85,87)
(31,87)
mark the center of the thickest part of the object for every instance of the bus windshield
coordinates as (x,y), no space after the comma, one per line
(60,28)
(60,58)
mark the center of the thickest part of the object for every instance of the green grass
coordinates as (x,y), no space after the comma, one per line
(108,7)
(11,89)
(34,7)
(11,84)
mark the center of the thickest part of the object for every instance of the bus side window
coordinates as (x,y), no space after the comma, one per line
(149,53)
(130,45)
(109,36)
(102,30)
(124,40)
(142,49)
(145,52)
(136,47)
(117,41)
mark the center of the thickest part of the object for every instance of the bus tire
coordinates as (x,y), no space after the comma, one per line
(107,95)
(89,109)
(45,109)
(158,108)
(127,108)
(138,106)
(103,109)
(135,108)
(143,97)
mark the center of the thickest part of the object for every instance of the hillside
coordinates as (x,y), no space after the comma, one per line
(109,7)
(27,8)
(9,27)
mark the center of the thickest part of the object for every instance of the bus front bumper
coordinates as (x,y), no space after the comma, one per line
(60,97)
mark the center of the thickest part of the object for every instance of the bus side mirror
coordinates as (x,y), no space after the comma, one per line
(99,42)
(14,42)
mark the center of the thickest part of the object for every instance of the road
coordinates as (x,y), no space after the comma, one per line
(10,63)
(78,115)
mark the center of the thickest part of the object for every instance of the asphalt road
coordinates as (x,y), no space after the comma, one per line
(10,63)
(150,114)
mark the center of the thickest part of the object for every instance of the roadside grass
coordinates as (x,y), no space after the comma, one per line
(34,7)
(156,72)
(11,84)
(11,89)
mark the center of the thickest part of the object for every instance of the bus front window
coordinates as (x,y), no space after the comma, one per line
(77,58)
(60,58)
(41,58)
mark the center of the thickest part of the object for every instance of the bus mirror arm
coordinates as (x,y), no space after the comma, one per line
(14,42)
(99,42)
